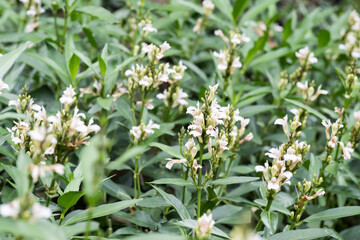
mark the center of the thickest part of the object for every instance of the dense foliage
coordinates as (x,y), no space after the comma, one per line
(179,119)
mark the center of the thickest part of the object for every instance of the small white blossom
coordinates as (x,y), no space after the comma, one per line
(68,96)
(347,150)
(174,161)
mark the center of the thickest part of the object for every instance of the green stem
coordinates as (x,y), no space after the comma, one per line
(142,109)
(199,182)
(226,174)
(48,199)
(88,223)
(267,208)
(136,176)
(184,188)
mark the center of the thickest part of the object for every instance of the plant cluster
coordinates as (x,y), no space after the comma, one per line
(179,119)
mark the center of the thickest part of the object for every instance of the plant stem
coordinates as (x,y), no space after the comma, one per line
(199,182)
(48,199)
(267,208)
(136,177)
(226,174)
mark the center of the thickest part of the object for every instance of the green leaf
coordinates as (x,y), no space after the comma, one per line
(170,150)
(334,213)
(12,115)
(305,234)
(323,38)
(98,12)
(69,199)
(156,236)
(239,7)
(270,56)
(287,31)
(78,228)
(176,203)
(74,65)
(8,59)
(88,33)
(132,152)
(190,223)
(257,9)
(40,230)
(225,7)
(100,211)
(196,70)
(174,181)
(105,103)
(233,180)
(102,65)
(256,109)
(270,220)
(307,108)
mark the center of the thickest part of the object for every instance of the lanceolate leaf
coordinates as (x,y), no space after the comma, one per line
(334,213)
(304,234)
(99,211)
(176,203)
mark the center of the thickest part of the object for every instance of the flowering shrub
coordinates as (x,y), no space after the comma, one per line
(231,119)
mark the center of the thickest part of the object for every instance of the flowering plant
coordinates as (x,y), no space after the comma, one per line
(231,119)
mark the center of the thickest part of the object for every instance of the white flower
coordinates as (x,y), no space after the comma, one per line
(204,225)
(136,132)
(212,91)
(174,161)
(332,142)
(211,131)
(3,85)
(222,35)
(68,96)
(208,6)
(39,211)
(290,155)
(222,60)
(196,165)
(11,209)
(148,27)
(259,168)
(278,28)
(273,184)
(320,192)
(92,127)
(165,46)
(274,153)
(146,81)
(197,27)
(305,53)
(236,63)
(357,116)
(284,123)
(149,128)
(38,134)
(77,125)
(347,150)
(327,126)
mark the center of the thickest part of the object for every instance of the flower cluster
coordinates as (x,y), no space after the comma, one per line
(204,226)
(25,208)
(351,36)
(50,138)
(174,96)
(33,10)
(228,58)
(333,137)
(306,58)
(215,127)
(308,92)
(146,27)
(139,133)
(307,193)
(208,8)
(285,159)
